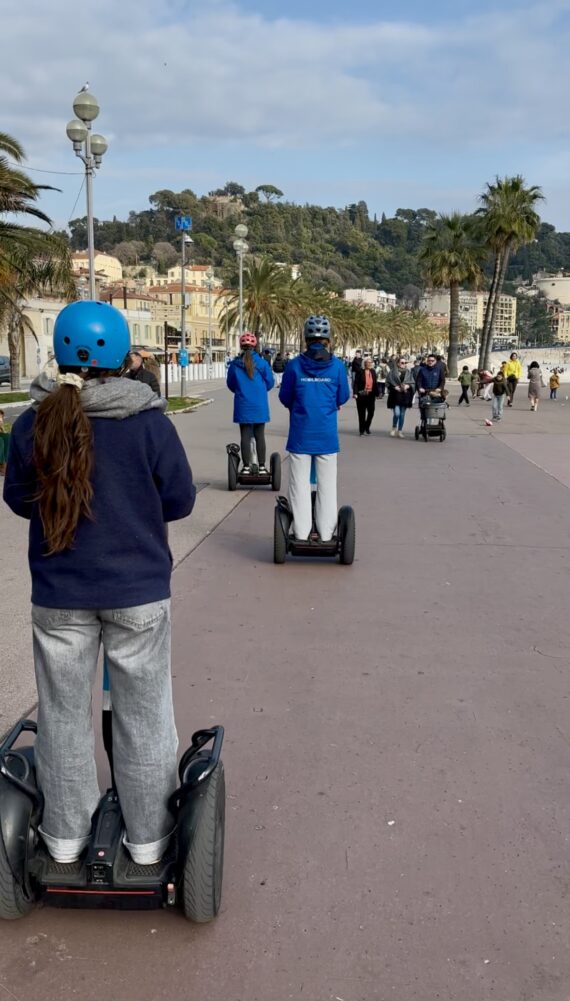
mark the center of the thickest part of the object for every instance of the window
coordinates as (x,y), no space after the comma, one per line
(147,332)
(48,326)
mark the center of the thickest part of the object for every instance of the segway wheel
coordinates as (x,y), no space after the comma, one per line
(275,469)
(233,467)
(347,535)
(279,539)
(13,902)
(417,434)
(203,869)
(443,435)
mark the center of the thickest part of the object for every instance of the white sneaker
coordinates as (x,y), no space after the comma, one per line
(263,471)
(393,433)
(401,434)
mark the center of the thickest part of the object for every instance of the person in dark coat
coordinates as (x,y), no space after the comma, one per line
(364,392)
(400,393)
(431,377)
(138,372)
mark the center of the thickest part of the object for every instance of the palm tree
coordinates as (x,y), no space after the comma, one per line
(32,276)
(31,260)
(271,300)
(451,256)
(508,219)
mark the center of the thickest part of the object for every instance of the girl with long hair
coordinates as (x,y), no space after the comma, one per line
(250,378)
(98,469)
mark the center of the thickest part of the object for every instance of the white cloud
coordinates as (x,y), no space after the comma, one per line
(184,72)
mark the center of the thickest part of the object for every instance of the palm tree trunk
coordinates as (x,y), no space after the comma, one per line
(483,349)
(14,343)
(453,329)
(499,288)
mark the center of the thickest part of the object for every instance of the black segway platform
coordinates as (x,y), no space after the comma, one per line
(189,875)
(342,543)
(254,478)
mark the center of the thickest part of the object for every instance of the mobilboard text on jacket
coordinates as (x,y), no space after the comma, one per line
(315,385)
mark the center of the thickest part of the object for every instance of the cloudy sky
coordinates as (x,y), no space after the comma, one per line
(406,104)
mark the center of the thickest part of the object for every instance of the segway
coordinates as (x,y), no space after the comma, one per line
(342,543)
(188,876)
(254,478)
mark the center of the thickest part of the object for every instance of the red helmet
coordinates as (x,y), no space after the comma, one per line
(247,340)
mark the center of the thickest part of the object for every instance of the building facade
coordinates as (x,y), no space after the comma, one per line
(472,306)
(383,301)
(107,267)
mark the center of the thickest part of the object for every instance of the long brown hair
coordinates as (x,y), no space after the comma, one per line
(63,457)
(249,362)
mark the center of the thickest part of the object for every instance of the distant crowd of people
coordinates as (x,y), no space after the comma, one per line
(496,387)
(402,381)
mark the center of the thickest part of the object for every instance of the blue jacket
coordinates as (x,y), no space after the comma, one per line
(141,479)
(313,390)
(431,378)
(251,405)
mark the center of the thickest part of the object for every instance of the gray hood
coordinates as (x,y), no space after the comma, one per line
(111,397)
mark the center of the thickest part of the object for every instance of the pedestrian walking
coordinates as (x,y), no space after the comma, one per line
(465,383)
(278,368)
(381,373)
(5,430)
(500,393)
(250,378)
(486,381)
(535,383)
(554,383)
(513,372)
(98,469)
(364,392)
(400,385)
(139,373)
(475,384)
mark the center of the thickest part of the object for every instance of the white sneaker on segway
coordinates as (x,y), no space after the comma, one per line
(393,433)
(263,471)
(246,470)
(401,434)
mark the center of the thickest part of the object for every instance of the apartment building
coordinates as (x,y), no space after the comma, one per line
(472,306)
(383,301)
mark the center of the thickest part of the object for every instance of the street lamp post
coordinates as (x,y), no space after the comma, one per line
(241,248)
(90,149)
(185,240)
(210,281)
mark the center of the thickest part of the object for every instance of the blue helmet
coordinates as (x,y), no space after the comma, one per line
(317,326)
(91,335)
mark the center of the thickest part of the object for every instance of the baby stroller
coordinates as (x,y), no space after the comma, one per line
(432,418)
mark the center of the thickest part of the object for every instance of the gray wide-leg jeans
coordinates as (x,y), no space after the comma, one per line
(137,646)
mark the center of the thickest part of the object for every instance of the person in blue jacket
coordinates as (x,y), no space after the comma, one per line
(98,469)
(315,386)
(431,377)
(250,378)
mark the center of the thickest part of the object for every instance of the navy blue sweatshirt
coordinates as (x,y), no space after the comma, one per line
(141,479)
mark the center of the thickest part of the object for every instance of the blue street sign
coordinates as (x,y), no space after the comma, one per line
(183,222)
(183,358)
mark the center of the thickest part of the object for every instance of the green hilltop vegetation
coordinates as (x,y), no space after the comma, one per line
(335,248)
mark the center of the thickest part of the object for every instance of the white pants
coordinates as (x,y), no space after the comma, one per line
(487,392)
(300,495)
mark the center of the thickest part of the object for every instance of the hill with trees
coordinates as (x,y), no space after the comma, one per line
(335,248)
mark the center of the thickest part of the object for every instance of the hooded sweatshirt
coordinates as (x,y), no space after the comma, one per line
(315,386)
(251,405)
(141,479)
